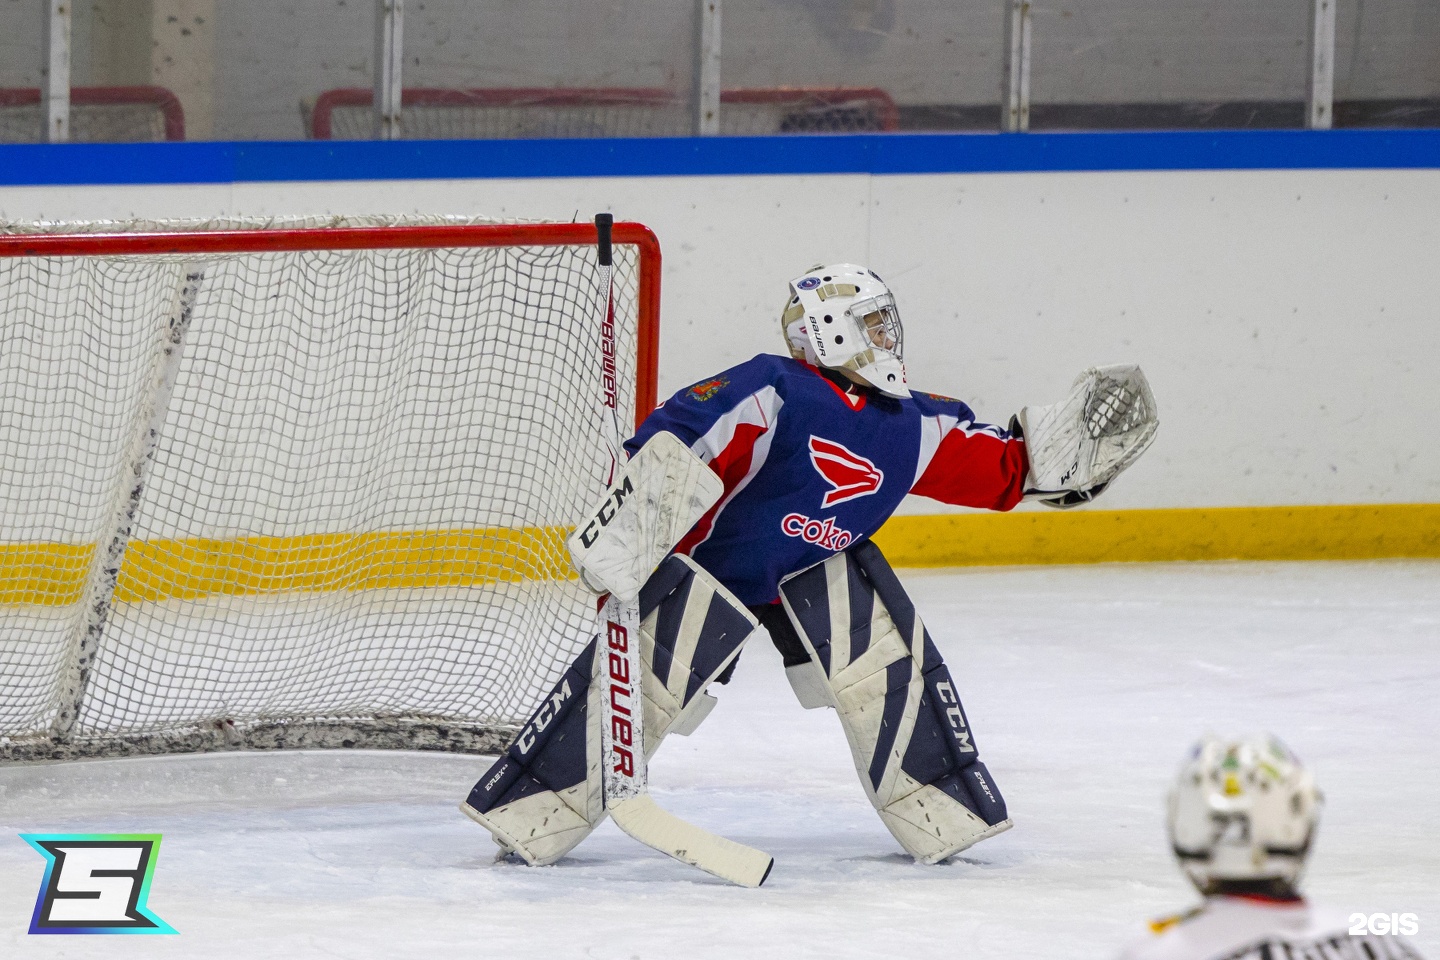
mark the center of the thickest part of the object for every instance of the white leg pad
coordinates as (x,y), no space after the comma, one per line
(541,828)
(691,629)
(897,703)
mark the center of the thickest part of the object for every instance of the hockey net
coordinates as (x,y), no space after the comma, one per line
(519,113)
(299,483)
(97,115)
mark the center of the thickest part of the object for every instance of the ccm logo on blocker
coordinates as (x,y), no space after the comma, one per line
(96,883)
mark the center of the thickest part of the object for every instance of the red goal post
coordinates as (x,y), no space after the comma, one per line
(298,483)
(498,112)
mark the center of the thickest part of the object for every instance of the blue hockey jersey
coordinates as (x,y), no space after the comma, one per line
(811,466)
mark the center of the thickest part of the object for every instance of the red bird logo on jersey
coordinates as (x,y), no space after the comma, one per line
(849,473)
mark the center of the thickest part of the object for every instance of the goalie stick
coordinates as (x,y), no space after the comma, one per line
(622,750)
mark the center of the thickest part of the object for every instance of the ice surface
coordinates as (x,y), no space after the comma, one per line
(1085,685)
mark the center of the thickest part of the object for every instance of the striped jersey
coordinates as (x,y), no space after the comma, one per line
(812,463)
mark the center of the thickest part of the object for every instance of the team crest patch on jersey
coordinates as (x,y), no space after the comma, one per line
(850,474)
(707,389)
(940,396)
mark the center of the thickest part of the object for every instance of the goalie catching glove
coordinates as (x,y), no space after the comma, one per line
(658,496)
(1079,445)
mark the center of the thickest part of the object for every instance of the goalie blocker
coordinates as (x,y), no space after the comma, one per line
(872,659)
(545,794)
(657,496)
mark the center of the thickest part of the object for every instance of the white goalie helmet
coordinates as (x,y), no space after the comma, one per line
(1243,809)
(842,316)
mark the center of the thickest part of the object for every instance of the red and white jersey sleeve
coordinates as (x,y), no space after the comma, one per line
(966,463)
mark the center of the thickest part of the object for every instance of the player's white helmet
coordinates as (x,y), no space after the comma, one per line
(1243,809)
(843,316)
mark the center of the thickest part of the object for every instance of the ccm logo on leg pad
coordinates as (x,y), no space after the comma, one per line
(950,704)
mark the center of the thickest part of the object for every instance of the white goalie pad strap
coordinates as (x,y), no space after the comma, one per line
(545,794)
(659,495)
(811,686)
(688,720)
(1079,445)
(911,742)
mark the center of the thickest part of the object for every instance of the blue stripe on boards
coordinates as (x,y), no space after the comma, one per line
(895,153)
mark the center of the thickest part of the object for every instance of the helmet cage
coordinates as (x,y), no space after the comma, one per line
(879,318)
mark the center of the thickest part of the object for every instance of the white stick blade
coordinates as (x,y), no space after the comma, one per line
(642,819)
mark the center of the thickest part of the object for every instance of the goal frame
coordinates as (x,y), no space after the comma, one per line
(165,102)
(321,126)
(389,732)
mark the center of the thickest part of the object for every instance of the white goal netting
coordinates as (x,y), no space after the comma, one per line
(296,496)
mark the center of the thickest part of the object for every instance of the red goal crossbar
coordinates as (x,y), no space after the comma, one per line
(384,238)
